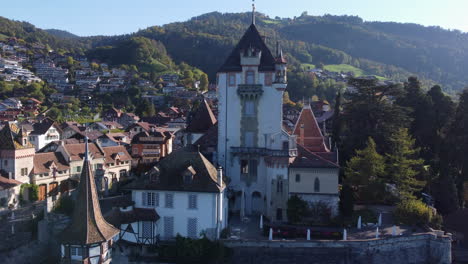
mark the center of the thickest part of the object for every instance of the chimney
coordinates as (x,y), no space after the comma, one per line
(220,176)
(10,175)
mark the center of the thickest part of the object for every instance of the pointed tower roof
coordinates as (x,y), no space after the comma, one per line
(203,119)
(279,54)
(308,132)
(88,225)
(251,39)
(10,137)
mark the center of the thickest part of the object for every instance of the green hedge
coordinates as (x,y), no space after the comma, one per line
(33,190)
(416,213)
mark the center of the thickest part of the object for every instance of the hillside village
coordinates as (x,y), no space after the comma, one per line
(235,165)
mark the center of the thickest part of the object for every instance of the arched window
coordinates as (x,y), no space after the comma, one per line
(317,185)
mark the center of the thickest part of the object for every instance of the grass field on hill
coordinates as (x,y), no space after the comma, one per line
(344,68)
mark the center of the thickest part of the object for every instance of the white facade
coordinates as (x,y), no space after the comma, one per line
(181,215)
(252,146)
(41,140)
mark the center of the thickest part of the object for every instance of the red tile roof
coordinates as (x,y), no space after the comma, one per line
(308,132)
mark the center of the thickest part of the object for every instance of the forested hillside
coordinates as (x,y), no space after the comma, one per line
(388,50)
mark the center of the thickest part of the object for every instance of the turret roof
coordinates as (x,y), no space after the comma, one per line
(251,39)
(88,226)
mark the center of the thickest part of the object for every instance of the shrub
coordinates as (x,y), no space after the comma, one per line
(346,201)
(33,192)
(319,213)
(297,209)
(187,250)
(65,205)
(416,213)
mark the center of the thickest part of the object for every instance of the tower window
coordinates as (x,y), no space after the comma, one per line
(249,108)
(244,166)
(232,79)
(317,185)
(249,139)
(250,77)
(268,78)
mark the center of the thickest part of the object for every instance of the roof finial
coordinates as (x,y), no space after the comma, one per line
(253,12)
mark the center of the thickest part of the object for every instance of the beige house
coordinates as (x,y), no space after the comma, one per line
(313,174)
(59,171)
(16,152)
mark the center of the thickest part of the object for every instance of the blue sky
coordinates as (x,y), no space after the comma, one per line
(104,17)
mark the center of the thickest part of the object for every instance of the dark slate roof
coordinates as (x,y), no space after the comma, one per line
(88,226)
(42,127)
(117,217)
(203,119)
(308,159)
(252,39)
(168,175)
(209,139)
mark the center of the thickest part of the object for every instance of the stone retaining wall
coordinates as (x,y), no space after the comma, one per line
(415,249)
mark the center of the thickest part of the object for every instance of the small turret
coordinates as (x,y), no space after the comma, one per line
(280,66)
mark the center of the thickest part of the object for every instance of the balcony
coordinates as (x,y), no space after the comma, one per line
(265,151)
(249,90)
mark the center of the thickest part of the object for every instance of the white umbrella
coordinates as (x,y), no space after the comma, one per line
(345,234)
(377,232)
(261,221)
(359,223)
(308,234)
(380,220)
(394,231)
(270,236)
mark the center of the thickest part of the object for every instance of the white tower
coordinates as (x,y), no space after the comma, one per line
(252,145)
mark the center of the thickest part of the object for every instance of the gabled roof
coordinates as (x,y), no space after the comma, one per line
(209,139)
(77,151)
(42,127)
(250,39)
(203,119)
(308,132)
(308,159)
(150,137)
(43,162)
(88,226)
(169,174)
(111,153)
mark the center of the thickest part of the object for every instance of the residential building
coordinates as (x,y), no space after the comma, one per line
(44,132)
(188,195)
(16,152)
(314,173)
(151,146)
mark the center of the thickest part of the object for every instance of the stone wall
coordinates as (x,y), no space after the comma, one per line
(415,249)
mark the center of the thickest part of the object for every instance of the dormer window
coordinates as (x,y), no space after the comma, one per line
(188,175)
